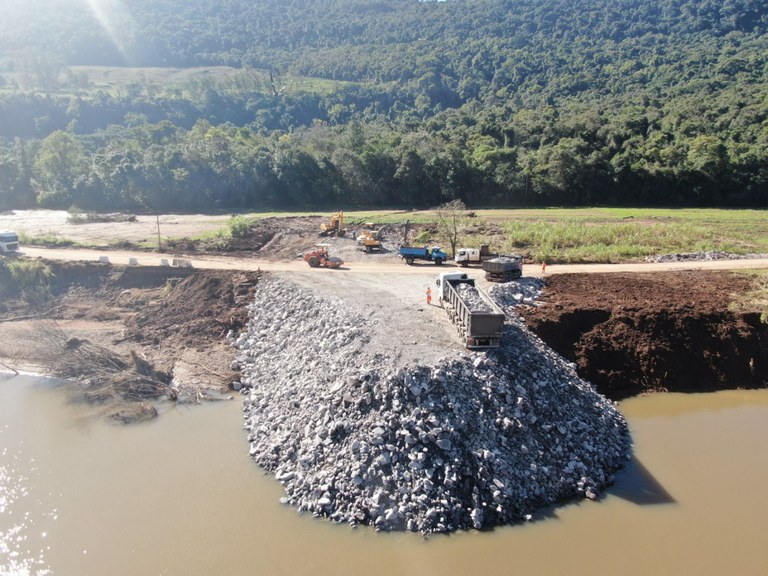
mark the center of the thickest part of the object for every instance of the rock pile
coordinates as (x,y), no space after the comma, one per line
(522,291)
(475,440)
(702,256)
(504,259)
(471,297)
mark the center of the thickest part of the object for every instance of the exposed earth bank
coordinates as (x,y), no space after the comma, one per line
(133,336)
(635,333)
(627,333)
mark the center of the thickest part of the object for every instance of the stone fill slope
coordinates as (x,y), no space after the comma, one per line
(473,440)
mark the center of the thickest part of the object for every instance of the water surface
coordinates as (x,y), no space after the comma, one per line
(180,496)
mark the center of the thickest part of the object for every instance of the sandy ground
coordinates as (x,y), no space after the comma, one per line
(54,223)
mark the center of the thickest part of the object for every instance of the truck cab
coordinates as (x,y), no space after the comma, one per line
(465,256)
(9,242)
(443,280)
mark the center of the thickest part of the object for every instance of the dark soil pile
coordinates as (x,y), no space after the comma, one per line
(634,333)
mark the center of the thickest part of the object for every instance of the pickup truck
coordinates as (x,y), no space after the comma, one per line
(412,253)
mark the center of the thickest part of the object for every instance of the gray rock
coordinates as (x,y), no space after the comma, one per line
(471,441)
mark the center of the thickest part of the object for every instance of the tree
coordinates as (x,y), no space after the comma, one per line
(59,163)
(451,222)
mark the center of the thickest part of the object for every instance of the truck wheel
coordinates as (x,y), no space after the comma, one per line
(313,261)
(409,260)
(438,261)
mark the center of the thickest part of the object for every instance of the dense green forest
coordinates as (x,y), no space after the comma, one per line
(166,105)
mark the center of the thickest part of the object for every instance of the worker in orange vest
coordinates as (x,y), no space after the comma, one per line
(429,295)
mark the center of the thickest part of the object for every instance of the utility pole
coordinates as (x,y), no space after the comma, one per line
(159,244)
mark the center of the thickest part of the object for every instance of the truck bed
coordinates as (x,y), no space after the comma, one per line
(479,320)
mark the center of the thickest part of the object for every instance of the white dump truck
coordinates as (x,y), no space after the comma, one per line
(9,242)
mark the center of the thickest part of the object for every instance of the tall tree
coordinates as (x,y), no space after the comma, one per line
(451,222)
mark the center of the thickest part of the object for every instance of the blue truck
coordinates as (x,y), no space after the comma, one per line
(411,253)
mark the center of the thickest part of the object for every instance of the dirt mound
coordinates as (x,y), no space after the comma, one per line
(131,334)
(632,333)
(278,236)
(199,308)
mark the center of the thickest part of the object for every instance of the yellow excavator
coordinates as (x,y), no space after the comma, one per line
(370,240)
(334,226)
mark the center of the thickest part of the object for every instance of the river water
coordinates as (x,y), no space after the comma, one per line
(180,496)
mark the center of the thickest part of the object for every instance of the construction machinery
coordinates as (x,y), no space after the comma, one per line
(466,256)
(370,240)
(412,253)
(319,258)
(497,267)
(477,317)
(503,268)
(334,226)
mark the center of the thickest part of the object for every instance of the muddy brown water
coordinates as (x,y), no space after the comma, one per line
(180,496)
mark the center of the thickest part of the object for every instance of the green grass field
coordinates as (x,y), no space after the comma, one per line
(601,235)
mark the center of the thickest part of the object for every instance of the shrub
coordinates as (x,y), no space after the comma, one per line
(30,279)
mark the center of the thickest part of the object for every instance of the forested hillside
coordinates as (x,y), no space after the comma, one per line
(267,103)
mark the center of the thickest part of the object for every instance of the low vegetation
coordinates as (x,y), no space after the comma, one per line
(600,235)
(28,279)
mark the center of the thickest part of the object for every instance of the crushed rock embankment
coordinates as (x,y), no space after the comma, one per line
(472,440)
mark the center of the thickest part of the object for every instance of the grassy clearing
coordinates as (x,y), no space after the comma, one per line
(31,279)
(607,235)
(757,298)
(50,239)
(555,235)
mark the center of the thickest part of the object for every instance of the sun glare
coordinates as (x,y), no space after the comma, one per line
(114,19)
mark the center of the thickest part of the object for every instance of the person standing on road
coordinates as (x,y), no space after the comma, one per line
(429,296)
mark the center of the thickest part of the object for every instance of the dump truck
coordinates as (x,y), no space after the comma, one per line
(9,242)
(413,253)
(477,317)
(503,268)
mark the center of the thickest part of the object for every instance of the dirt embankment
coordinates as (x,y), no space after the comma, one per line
(627,332)
(634,333)
(133,334)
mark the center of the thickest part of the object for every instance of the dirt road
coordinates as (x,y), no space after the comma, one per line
(374,264)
